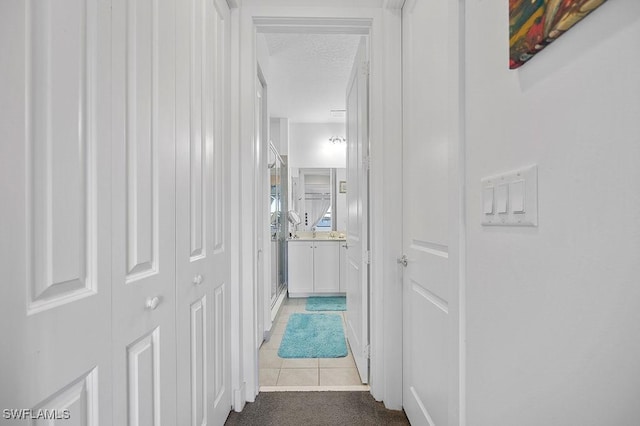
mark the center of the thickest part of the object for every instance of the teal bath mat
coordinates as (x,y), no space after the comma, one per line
(338,303)
(313,336)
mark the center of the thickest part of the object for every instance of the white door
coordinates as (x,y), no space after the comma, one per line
(202,255)
(426,294)
(143,193)
(357,317)
(55,220)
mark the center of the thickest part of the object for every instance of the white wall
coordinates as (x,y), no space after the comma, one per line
(554,312)
(279,130)
(309,145)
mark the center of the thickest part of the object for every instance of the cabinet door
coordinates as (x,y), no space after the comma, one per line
(300,267)
(326,267)
(343,267)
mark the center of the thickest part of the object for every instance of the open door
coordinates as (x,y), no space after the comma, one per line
(357,258)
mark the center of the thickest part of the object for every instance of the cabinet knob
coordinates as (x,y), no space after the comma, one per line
(197,280)
(152,303)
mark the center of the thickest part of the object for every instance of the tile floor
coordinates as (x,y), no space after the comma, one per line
(321,372)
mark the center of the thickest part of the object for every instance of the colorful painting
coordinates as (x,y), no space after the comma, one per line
(533,24)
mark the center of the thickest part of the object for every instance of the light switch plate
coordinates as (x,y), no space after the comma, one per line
(520,189)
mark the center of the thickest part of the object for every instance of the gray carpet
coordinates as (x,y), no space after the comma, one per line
(316,409)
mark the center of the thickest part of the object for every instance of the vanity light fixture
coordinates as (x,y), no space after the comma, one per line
(337,140)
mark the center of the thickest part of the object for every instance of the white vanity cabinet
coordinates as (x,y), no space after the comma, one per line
(314,267)
(300,267)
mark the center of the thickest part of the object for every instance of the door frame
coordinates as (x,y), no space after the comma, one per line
(383,25)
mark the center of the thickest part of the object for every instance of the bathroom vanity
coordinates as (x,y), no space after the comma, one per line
(316,267)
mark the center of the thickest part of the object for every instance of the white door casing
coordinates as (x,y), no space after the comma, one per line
(357,127)
(383,24)
(202,253)
(55,222)
(143,237)
(261,196)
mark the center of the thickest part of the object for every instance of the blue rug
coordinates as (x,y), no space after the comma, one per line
(313,336)
(338,303)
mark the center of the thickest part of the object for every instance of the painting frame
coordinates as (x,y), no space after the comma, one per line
(534,24)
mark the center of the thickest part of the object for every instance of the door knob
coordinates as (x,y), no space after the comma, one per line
(403,260)
(152,303)
(197,280)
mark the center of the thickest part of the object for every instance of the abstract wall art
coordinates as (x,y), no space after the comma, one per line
(534,24)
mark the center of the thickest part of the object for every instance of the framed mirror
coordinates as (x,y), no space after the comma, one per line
(318,199)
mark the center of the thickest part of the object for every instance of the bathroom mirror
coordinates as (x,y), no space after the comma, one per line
(318,200)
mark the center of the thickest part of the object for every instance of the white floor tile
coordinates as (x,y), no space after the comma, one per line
(269,376)
(299,363)
(344,362)
(339,377)
(269,359)
(298,377)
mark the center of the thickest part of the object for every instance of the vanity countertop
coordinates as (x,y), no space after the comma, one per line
(316,239)
(318,236)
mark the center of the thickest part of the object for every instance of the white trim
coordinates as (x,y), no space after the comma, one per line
(353,388)
(238,385)
(385,207)
(385,103)
(457,217)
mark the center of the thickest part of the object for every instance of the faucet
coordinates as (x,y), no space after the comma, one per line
(314,231)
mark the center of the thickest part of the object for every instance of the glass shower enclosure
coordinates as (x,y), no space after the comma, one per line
(277,213)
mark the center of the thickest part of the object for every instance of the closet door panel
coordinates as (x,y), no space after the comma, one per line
(55,234)
(202,259)
(143,160)
(194,202)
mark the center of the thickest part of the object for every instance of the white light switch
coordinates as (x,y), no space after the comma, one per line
(502,198)
(511,198)
(487,198)
(517,189)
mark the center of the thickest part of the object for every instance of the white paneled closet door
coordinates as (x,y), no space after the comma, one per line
(55,223)
(202,253)
(143,161)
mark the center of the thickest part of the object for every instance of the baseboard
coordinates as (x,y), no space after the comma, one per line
(298,295)
(276,308)
(239,399)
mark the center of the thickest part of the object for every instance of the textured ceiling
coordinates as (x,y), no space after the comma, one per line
(308,75)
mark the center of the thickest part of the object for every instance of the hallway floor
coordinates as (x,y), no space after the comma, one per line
(277,374)
(316,409)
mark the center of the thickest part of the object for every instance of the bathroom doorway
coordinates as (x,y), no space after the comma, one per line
(308,74)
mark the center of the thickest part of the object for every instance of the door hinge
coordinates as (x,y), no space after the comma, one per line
(367,257)
(367,351)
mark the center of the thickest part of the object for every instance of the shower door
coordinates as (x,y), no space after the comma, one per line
(277,178)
